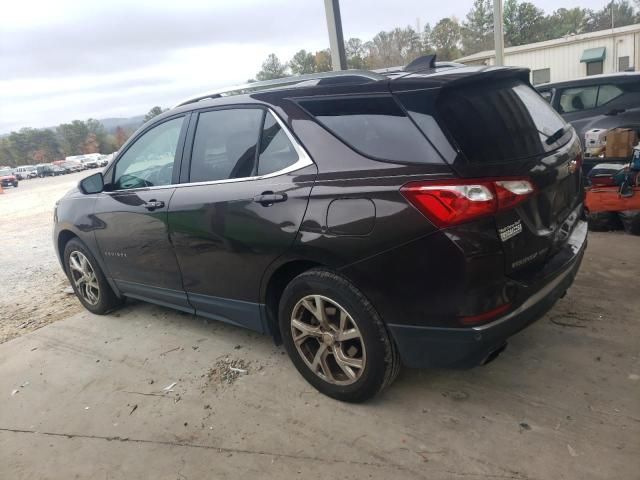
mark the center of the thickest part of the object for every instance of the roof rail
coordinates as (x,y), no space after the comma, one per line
(291,81)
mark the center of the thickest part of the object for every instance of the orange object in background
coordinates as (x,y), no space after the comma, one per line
(608,199)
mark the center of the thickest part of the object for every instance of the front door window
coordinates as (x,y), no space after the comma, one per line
(149,161)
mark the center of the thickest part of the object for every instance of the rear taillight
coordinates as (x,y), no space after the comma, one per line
(452,202)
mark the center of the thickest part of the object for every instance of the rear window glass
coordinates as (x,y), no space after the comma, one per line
(606,93)
(374,126)
(501,122)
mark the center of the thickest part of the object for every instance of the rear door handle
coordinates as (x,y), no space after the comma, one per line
(153,204)
(266,199)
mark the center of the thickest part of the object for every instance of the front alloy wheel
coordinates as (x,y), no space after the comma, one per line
(328,340)
(84,278)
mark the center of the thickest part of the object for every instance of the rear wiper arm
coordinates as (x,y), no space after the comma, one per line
(555,136)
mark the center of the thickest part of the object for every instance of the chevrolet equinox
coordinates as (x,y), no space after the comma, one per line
(420,217)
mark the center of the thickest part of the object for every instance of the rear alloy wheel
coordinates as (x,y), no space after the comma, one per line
(335,338)
(328,340)
(87,280)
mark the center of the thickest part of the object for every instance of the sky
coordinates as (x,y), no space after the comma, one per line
(62,60)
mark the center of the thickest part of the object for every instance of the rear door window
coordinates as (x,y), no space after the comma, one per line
(578,99)
(500,122)
(375,126)
(225,144)
(239,143)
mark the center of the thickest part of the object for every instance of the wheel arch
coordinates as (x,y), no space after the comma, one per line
(275,285)
(63,236)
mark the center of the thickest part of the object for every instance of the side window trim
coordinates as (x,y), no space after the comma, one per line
(177,162)
(256,163)
(304,160)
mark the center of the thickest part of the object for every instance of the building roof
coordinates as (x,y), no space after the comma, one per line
(566,40)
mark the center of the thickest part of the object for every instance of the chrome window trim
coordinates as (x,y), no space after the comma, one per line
(304,160)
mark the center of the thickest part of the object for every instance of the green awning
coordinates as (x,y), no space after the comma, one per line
(593,55)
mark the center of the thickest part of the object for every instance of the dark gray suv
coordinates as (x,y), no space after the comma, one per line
(363,220)
(600,101)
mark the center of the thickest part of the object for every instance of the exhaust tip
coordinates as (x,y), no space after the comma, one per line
(494,354)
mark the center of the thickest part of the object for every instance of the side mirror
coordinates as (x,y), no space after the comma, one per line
(92,184)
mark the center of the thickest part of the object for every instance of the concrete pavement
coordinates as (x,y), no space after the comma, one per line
(85,398)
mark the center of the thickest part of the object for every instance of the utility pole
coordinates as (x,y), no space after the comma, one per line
(336,40)
(498,36)
(612,22)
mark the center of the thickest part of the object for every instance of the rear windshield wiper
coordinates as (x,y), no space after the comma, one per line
(556,136)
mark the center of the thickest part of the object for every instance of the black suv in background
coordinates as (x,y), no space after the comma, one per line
(600,101)
(364,220)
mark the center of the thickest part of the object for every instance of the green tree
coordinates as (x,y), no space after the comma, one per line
(96,128)
(6,157)
(154,112)
(71,137)
(427,44)
(355,51)
(618,13)
(445,38)
(477,30)
(565,21)
(323,60)
(394,48)
(302,62)
(523,23)
(272,68)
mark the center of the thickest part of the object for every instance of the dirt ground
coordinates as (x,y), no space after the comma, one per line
(31,281)
(147,392)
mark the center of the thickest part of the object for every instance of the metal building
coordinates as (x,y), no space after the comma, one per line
(573,56)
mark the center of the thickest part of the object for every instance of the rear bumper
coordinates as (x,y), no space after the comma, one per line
(423,346)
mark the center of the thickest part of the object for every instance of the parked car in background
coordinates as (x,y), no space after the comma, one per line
(599,101)
(25,172)
(64,167)
(49,170)
(364,220)
(72,166)
(90,162)
(7,178)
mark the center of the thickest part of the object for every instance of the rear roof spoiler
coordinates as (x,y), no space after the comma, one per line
(457,77)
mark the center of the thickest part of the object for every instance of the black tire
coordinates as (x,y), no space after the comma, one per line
(15,184)
(106,298)
(382,363)
(604,221)
(631,221)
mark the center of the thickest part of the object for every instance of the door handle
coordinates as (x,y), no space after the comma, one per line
(151,205)
(266,199)
(615,111)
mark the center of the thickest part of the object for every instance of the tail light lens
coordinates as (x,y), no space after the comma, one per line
(457,201)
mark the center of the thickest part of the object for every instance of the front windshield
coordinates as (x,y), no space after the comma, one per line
(5,171)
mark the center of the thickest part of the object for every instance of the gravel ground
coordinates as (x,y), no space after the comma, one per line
(32,282)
